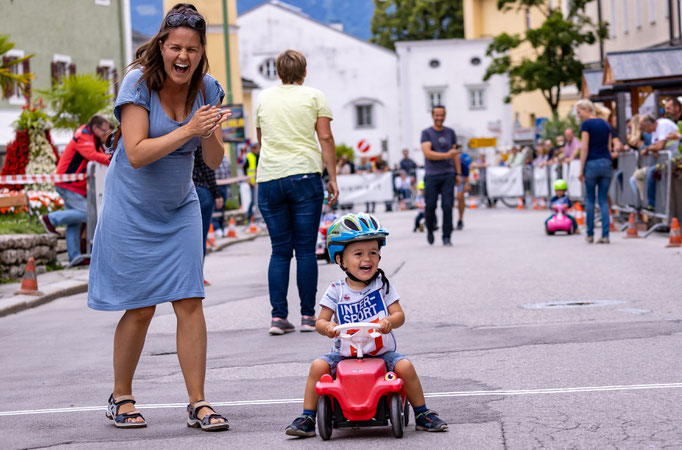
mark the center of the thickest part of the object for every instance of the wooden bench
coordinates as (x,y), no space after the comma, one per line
(19,199)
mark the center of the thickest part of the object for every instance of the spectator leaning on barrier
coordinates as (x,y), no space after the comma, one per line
(596,169)
(664,136)
(147,248)
(85,146)
(222,173)
(443,172)
(408,165)
(571,146)
(365,166)
(290,187)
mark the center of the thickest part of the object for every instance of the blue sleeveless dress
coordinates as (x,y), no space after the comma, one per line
(147,247)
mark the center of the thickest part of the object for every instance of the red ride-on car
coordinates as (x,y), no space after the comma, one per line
(363,393)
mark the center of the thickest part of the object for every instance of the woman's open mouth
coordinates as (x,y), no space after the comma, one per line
(181,68)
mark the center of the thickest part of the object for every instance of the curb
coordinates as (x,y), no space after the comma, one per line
(18,303)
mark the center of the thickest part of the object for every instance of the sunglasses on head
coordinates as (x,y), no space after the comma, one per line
(194,21)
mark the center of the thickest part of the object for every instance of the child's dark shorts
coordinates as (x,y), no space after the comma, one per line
(333,359)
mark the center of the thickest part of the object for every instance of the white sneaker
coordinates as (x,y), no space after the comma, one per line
(219,233)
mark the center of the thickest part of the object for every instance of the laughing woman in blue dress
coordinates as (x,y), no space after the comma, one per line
(147,246)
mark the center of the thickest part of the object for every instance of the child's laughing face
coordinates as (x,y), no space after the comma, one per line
(362,259)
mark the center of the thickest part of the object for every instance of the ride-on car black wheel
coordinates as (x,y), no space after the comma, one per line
(397,416)
(406,411)
(324,417)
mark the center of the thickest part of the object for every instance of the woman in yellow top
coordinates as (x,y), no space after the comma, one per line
(290,187)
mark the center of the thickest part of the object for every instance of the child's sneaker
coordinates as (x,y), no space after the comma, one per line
(303,426)
(429,421)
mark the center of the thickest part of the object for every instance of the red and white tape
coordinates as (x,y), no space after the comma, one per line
(41,178)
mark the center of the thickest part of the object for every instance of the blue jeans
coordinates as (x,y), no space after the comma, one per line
(73,215)
(291,208)
(219,222)
(598,173)
(206,203)
(333,359)
(444,185)
(651,186)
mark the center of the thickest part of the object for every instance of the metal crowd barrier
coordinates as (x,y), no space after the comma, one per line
(663,188)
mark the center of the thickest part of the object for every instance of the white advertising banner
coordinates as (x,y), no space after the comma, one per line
(575,186)
(504,181)
(368,187)
(541,182)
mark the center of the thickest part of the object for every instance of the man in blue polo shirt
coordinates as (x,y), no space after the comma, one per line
(442,172)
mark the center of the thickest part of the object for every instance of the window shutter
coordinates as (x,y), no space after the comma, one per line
(27,69)
(9,89)
(54,67)
(100,71)
(72,69)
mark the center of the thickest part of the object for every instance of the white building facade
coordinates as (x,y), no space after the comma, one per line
(450,72)
(358,78)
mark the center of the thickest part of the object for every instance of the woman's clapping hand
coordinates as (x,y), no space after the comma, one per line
(206,120)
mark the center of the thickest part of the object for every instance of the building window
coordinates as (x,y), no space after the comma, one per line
(434,97)
(434,63)
(13,93)
(107,71)
(612,26)
(476,98)
(61,66)
(363,116)
(626,17)
(652,11)
(268,69)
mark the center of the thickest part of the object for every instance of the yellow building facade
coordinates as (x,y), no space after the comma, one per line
(482,19)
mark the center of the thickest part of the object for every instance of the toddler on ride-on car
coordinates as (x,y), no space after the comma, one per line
(353,242)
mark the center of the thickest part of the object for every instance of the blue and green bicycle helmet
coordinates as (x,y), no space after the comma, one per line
(353,228)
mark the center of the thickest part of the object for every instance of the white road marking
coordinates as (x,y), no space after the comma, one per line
(289,401)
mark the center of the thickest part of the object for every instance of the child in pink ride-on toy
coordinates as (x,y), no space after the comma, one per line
(365,295)
(560,187)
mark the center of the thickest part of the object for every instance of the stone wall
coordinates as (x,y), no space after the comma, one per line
(15,249)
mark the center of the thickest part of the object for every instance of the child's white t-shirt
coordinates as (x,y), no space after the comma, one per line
(368,305)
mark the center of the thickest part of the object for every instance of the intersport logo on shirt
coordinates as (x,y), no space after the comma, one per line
(367,309)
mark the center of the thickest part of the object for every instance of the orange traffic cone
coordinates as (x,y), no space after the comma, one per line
(472,203)
(29,283)
(612,226)
(543,203)
(403,205)
(253,228)
(675,237)
(210,239)
(535,204)
(231,230)
(519,205)
(579,217)
(631,232)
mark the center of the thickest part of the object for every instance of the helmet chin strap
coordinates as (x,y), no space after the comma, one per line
(356,279)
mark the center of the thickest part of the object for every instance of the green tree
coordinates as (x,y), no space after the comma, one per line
(76,98)
(7,76)
(343,149)
(553,63)
(416,20)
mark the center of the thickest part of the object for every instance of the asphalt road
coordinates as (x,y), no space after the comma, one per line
(521,340)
